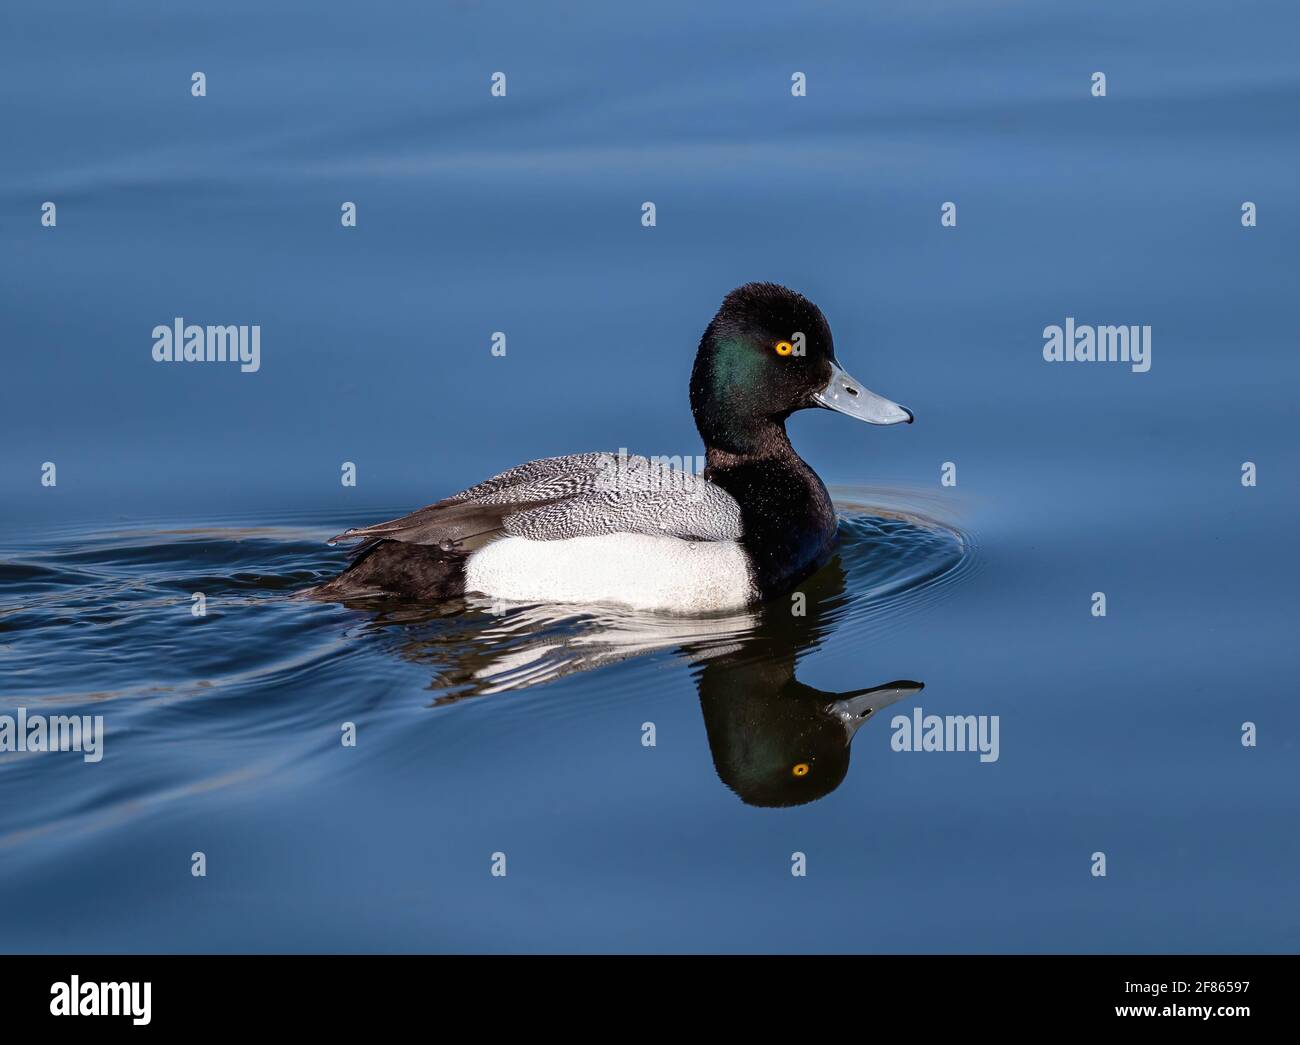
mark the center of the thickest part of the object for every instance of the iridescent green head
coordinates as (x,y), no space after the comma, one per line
(767,353)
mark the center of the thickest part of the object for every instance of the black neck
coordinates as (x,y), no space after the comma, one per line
(786,513)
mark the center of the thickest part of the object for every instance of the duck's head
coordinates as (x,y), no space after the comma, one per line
(767,353)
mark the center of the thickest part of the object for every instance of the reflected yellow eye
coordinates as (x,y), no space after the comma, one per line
(801,769)
(784,348)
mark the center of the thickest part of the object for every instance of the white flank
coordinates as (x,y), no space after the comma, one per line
(644,572)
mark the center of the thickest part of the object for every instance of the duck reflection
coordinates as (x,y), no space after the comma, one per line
(775,741)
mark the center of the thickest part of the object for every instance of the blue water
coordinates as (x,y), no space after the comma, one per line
(485,729)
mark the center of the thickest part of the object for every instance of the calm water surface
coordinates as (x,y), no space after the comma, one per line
(484,728)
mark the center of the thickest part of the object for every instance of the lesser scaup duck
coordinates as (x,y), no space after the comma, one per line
(603,527)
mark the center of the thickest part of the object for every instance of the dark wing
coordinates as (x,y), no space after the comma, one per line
(580,495)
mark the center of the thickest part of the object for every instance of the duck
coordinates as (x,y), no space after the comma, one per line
(643,532)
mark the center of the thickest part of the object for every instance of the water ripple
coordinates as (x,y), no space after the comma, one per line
(99,622)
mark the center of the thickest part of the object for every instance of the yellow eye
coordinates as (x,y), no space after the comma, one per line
(802,769)
(784,348)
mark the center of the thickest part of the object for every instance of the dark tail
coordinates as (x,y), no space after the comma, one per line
(395,569)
